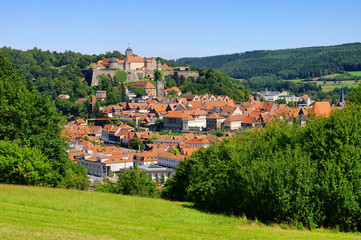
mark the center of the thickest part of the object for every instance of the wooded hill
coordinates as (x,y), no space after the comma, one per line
(306,62)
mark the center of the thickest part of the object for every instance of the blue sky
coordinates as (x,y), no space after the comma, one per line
(173,29)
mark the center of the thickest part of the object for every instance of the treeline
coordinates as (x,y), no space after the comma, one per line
(304,176)
(36,63)
(32,151)
(307,62)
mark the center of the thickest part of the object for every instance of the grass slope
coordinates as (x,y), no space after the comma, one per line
(43,213)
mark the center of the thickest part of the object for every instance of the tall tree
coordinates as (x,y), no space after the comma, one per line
(31,120)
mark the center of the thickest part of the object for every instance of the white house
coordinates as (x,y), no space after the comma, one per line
(170,160)
(101,165)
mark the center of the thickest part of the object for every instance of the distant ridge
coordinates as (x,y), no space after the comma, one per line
(285,63)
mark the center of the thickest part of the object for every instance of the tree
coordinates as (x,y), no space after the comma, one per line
(173,93)
(355,95)
(23,165)
(123,93)
(31,120)
(158,124)
(139,92)
(131,182)
(112,98)
(281,101)
(157,75)
(175,150)
(171,83)
(96,111)
(219,133)
(119,77)
(105,82)
(136,143)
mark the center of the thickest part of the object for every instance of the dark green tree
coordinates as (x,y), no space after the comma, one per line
(123,93)
(119,77)
(31,120)
(131,182)
(139,92)
(157,75)
(136,143)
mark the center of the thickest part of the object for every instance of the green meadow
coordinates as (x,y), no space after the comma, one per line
(45,213)
(355,73)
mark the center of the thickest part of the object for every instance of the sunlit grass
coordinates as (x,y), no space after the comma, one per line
(43,213)
(355,73)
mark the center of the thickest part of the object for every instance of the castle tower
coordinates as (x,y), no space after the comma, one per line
(113,63)
(128,52)
(159,65)
(160,88)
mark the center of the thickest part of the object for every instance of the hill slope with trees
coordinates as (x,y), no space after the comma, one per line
(306,62)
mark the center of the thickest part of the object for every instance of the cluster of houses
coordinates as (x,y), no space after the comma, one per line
(196,117)
(161,154)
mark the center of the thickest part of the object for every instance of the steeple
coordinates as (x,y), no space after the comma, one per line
(342,102)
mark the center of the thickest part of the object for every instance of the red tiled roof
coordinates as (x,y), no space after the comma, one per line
(197,141)
(321,109)
(143,84)
(214,116)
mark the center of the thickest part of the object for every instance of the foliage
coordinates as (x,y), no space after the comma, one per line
(23,165)
(105,82)
(287,64)
(136,143)
(131,182)
(139,92)
(175,150)
(306,176)
(158,125)
(132,124)
(355,95)
(152,138)
(219,133)
(30,120)
(119,77)
(158,75)
(281,101)
(123,93)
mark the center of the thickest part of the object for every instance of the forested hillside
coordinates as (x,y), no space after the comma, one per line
(286,64)
(54,73)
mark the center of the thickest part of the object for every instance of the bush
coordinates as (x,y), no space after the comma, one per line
(131,182)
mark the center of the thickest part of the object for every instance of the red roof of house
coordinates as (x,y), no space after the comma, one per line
(214,116)
(197,141)
(321,109)
(143,84)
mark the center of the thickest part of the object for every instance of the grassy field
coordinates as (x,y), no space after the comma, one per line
(43,213)
(355,73)
(330,85)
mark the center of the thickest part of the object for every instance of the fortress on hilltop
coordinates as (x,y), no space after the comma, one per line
(136,67)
